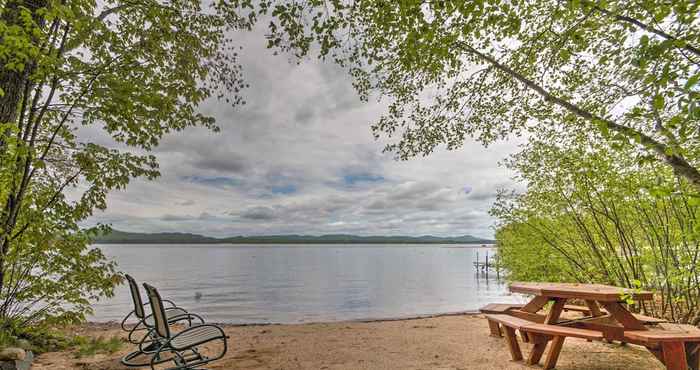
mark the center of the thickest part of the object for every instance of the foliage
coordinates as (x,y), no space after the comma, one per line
(37,338)
(45,338)
(91,346)
(493,68)
(591,214)
(86,90)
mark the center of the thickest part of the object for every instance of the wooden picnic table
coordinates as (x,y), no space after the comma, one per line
(675,345)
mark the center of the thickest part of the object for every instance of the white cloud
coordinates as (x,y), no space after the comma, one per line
(299,157)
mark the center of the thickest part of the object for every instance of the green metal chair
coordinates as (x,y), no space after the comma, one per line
(145,323)
(181,346)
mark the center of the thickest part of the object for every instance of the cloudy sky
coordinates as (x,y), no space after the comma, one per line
(299,157)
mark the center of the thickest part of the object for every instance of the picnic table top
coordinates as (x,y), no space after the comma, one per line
(595,292)
(666,332)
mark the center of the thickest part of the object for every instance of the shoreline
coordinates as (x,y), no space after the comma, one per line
(445,342)
(360,320)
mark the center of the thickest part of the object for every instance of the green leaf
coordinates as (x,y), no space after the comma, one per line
(658,102)
(692,81)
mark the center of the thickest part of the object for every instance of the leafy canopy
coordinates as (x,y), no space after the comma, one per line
(591,214)
(494,68)
(73,75)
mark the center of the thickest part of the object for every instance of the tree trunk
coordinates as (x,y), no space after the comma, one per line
(12,81)
(12,84)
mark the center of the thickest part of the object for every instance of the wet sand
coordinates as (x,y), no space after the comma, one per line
(446,342)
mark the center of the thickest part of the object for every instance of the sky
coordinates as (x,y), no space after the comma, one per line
(299,158)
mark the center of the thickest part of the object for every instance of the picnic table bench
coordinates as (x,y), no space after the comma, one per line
(605,318)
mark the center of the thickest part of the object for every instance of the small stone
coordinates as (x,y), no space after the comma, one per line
(12,354)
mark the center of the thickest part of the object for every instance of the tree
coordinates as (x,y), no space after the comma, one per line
(133,69)
(493,68)
(590,214)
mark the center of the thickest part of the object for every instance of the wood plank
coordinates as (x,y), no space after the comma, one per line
(562,331)
(499,307)
(535,304)
(609,332)
(666,333)
(553,355)
(534,317)
(595,292)
(513,345)
(508,320)
(605,319)
(595,309)
(648,319)
(555,311)
(674,355)
(623,316)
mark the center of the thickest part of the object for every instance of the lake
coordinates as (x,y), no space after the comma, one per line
(306,283)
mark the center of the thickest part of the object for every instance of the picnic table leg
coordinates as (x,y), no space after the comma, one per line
(692,354)
(540,343)
(674,355)
(623,316)
(513,345)
(555,311)
(595,309)
(535,304)
(553,355)
(495,329)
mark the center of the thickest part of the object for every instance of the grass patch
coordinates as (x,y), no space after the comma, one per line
(92,346)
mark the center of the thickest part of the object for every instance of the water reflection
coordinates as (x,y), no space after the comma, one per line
(293,283)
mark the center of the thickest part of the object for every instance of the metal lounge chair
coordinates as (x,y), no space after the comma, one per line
(182,346)
(146,322)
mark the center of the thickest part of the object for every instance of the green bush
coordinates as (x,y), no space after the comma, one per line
(594,215)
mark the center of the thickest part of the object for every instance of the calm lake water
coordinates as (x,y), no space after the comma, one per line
(306,283)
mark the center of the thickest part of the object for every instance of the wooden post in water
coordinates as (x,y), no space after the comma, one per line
(486,264)
(498,269)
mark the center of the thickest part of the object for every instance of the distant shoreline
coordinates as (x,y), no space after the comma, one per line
(122,237)
(456,244)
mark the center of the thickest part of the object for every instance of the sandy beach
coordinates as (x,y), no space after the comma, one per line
(446,342)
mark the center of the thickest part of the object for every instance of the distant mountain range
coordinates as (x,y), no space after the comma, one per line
(122,237)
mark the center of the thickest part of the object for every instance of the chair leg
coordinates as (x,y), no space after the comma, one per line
(553,355)
(513,345)
(495,329)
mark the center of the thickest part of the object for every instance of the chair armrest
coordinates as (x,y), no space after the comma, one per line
(189,317)
(123,324)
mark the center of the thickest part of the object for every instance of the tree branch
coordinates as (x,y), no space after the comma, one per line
(643,26)
(679,164)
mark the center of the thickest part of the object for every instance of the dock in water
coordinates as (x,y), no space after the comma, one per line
(483,267)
